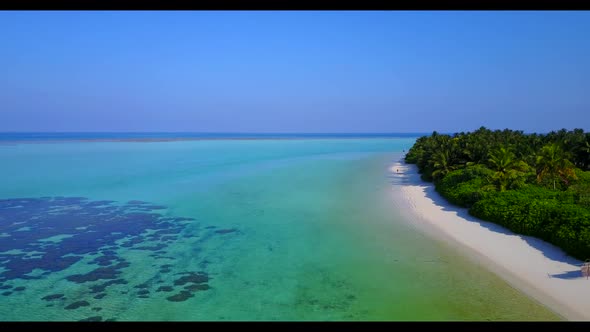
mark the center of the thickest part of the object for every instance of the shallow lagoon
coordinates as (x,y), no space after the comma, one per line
(227,230)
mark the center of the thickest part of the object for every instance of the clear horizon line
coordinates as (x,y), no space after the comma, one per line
(215,132)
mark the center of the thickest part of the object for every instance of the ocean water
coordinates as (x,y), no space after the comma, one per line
(77,136)
(266,229)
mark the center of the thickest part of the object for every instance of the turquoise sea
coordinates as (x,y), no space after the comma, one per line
(222,229)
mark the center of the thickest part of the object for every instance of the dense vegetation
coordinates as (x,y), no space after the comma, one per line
(533,184)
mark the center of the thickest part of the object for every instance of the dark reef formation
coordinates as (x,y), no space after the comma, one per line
(46,235)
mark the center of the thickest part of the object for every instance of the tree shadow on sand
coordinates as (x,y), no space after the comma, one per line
(567,275)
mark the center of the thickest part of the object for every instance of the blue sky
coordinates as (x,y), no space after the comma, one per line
(294,71)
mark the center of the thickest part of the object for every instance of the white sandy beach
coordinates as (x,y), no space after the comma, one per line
(539,269)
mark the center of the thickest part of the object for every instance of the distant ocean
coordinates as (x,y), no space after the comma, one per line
(274,227)
(69,136)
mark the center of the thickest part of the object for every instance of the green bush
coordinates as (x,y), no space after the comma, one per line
(580,189)
(564,224)
(465,186)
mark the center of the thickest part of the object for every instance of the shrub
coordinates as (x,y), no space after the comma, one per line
(566,225)
(466,186)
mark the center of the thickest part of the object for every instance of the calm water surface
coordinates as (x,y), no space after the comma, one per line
(227,230)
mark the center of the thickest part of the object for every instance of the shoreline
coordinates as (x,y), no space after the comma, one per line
(539,269)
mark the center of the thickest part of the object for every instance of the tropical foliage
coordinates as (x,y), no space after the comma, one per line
(533,184)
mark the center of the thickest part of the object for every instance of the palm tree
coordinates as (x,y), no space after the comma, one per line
(508,170)
(441,164)
(552,163)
